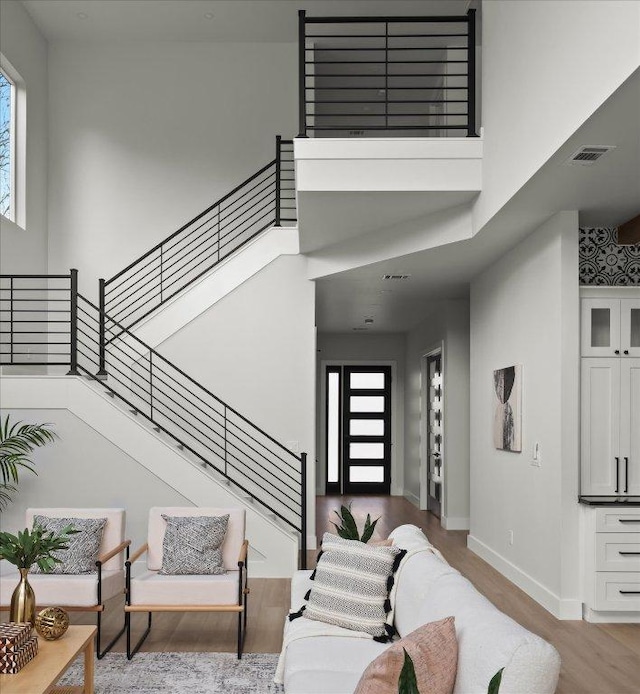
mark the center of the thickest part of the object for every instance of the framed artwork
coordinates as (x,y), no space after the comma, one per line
(507,419)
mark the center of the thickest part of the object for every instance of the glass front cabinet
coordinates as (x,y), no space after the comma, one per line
(610,326)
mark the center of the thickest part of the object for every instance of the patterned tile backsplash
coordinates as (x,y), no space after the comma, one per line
(604,262)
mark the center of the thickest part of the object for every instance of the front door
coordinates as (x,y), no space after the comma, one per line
(359,429)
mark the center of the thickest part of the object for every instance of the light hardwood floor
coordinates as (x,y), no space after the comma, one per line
(596,659)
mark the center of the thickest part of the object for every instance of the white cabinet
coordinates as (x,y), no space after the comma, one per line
(610,326)
(630,425)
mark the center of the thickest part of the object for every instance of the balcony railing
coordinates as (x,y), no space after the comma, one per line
(387,76)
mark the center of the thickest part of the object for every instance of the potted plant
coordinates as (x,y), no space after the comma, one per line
(23,550)
(348,529)
(17,442)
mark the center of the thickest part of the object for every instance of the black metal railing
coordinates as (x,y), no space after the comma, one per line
(386,76)
(265,199)
(37,319)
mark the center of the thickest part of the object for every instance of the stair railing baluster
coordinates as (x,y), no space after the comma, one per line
(278,176)
(73,323)
(303,510)
(102,346)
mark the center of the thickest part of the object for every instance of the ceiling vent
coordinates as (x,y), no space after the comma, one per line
(395,277)
(586,156)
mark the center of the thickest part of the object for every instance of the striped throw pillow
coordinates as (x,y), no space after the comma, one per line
(351,586)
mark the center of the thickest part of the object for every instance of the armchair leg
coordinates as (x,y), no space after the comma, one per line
(101,653)
(136,648)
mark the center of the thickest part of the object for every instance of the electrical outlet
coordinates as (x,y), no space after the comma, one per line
(510,537)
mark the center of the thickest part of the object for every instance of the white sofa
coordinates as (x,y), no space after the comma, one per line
(427,589)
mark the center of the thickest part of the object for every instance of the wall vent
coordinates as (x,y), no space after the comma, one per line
(395,277)
(360,329)
(586,156)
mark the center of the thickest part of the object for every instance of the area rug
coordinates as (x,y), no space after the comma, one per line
(181,673)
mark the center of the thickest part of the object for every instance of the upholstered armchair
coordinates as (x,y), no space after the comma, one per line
(152,591)
(80,592)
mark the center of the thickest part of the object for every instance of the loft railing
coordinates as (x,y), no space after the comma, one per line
(37,319)
(265,199)
(387,76)
(224,441)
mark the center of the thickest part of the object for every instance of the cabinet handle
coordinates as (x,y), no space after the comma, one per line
(626,474)
(626,351)
(629,592)
(629,554)
(628,520)
(617,474)
(617,351)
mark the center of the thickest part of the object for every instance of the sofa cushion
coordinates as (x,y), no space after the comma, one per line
(65,590)
(434,651)
(83,546)
(152,588)
(193,545)
(351,586)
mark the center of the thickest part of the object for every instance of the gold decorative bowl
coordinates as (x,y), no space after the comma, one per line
(51,623)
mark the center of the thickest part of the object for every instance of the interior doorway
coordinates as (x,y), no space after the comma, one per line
(432,426)
(358,429)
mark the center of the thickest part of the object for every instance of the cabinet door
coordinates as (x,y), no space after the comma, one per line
(600,426)
(630,425)
(630,327)
(600,327)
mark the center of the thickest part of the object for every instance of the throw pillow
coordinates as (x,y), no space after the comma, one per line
(351,585)
(193,545)
(81,556)
(434,650)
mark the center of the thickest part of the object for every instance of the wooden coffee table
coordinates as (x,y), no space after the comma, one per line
(54,657)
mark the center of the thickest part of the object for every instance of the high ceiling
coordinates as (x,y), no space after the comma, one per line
(207,20)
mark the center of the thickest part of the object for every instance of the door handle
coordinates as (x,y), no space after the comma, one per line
(626,474)
(629,554)
(628,520)
(617,474)
(629,592)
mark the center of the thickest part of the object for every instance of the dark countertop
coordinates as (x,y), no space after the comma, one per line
(610,500)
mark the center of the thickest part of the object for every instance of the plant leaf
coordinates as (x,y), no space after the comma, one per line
(407,684)
(494,685)
(368,530)
(349,523)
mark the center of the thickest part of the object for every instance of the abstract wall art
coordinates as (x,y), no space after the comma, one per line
(507,419)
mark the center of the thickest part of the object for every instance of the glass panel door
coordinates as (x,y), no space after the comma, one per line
(435,470)
(630,327)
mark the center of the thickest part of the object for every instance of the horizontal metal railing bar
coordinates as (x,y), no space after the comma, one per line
(33,363)
(412,19)
(34,332)
(390,75)
(155,260)
(173,436)
(36,342)
(383,102)
(383,62)
(30,310)
(382,36)
(32,321)
(386,49)
(39,277)
(192,380)
(35,289)
(390,127)
(382,115)
(195,219)
(40,354)
(41,300)
(373,89)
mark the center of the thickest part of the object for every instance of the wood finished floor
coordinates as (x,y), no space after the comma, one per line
(596,659)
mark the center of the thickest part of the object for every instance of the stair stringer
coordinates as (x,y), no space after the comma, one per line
(275,548)
(221,280)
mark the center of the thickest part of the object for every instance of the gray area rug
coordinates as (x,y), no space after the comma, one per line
(181,673)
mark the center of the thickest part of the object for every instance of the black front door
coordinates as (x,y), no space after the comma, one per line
(359,429)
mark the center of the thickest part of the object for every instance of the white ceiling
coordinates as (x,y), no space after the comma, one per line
(184,20)
(605,194)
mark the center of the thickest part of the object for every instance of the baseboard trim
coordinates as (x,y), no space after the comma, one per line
(599,617)
(562,609)
(410,496)
(450,523)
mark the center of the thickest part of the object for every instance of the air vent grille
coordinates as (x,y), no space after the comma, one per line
(587,156)
(396,277)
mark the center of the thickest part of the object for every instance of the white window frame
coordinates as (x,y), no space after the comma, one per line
(11,213)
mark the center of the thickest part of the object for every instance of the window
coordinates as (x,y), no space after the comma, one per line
(7,146)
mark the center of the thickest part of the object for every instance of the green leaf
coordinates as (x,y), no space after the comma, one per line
(407,684)
(349,522)
(368,530)
(494,685)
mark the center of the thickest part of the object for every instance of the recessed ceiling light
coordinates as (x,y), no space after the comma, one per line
(82,15)
(368,321)
(208,15)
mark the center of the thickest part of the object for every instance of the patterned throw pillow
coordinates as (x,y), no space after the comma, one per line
(351,586)
(84,546)
(193,545)
(433,648)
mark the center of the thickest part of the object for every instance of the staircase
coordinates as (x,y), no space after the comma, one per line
(46,317)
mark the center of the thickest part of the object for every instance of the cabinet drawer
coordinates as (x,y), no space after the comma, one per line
(614,520)
(617,591)
(618,552)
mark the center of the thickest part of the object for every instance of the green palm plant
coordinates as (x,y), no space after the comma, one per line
(348,528)
(17,443)
(36,546)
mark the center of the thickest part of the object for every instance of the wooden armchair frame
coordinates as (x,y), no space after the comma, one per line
(240,607)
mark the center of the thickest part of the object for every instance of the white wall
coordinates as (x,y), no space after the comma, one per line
(146,135)
(341,348)
(86,470)
(448,323)
(23,246)
(524,310)
(255,349)
(547,65)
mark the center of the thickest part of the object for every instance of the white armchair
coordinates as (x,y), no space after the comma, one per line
(80,592)
(154,592)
